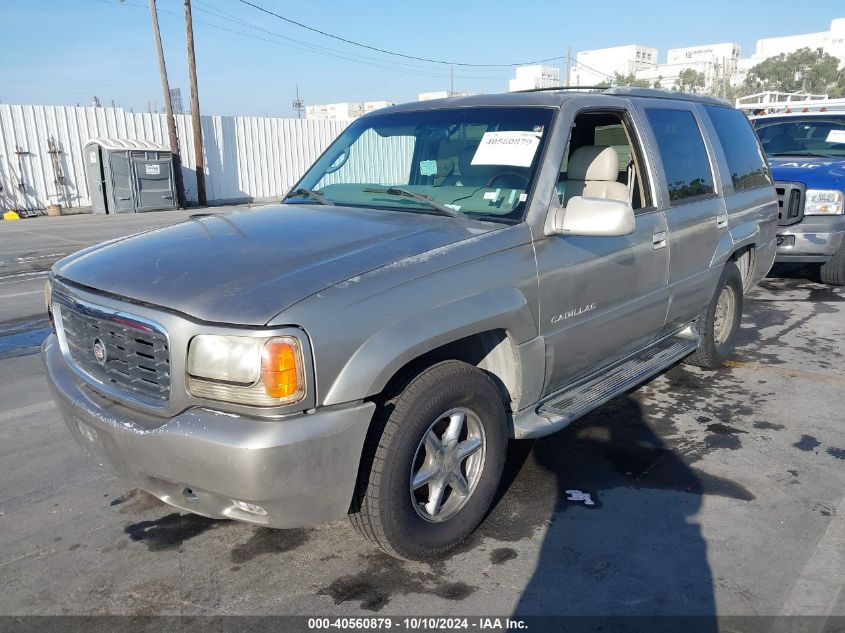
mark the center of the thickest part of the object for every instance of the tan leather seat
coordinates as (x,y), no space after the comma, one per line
(592,173)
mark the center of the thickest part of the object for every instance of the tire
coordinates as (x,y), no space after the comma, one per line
(385,510)
(718,328)
(833,270)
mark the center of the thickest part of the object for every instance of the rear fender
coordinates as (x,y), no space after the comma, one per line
(739,236)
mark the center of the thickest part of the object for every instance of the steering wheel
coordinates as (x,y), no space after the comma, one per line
(337,165)
(506,173)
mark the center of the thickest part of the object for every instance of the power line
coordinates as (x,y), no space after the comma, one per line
(219,13)
(304,46)
(582,64)
(394,53)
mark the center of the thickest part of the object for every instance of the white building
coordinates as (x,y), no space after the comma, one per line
(443,94)
(334,111)
(717,62)
(533,77)
(345,110)
(601,65)
(724,54)
(370,106)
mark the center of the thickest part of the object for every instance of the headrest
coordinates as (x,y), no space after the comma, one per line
(593,162)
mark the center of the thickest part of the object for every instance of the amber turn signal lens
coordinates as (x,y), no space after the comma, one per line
(281,371)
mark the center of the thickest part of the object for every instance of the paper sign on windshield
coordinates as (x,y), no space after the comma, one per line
(836,136)
(515,149)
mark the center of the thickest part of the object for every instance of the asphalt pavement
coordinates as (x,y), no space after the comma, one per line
(718,492)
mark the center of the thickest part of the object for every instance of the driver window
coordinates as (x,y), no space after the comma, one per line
(600,161)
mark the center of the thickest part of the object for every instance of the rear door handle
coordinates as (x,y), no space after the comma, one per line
(722,221)
(659,240)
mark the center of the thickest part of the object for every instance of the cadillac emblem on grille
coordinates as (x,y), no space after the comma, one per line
(99,351)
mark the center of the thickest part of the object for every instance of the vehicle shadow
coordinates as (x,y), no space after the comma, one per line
(638,549)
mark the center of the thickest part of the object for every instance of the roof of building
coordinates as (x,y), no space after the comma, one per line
(128,143)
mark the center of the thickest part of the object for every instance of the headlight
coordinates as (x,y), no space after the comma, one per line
(246,370)
(823,202)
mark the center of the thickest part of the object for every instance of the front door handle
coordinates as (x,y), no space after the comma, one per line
(722,221)
(659,240)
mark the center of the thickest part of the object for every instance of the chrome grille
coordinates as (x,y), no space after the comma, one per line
(135,354)
(790,202)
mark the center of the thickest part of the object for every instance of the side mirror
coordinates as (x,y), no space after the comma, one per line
(598,217)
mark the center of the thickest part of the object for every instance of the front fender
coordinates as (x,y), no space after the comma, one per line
(378,359)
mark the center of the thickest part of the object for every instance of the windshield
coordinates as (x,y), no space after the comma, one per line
(473,162)
(803,136)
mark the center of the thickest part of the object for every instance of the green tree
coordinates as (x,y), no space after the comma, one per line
(629,80)
(804,70)
(689,80)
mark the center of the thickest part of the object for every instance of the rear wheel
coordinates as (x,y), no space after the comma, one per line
(432,462)
(720,323)
(833,270)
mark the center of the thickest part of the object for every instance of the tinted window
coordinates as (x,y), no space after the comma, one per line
(742,151)
(683,154)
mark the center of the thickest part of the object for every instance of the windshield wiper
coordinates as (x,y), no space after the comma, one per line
(397,191)
(308,193)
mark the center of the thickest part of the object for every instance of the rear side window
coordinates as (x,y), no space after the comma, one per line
(683,153)
(742,151)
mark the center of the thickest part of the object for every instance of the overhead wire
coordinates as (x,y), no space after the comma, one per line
(394,53)
(217,12)
(305,46)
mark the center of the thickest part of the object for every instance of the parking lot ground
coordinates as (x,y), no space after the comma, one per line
(717,492)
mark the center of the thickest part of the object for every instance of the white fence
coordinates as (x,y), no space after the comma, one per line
(246,158)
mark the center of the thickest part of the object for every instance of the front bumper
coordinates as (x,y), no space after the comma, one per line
(814,239)
(300,469)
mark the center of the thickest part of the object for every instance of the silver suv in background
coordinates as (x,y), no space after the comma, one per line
(448,276)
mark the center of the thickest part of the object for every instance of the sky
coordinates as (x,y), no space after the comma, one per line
(64,52)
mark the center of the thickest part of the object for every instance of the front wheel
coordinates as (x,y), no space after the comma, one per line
(433,462)
(719,324)
(833,270)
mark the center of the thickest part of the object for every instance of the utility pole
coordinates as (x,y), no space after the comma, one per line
(171,122)
(568,64)
(298,104)
(195,106)
(451,81)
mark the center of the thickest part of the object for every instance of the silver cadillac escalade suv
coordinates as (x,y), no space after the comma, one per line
(448,276)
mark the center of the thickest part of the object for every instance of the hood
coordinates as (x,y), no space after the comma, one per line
(246,267)
(812,171)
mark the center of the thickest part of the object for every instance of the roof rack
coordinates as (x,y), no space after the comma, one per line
(557,88)
(653,93)
(634,91)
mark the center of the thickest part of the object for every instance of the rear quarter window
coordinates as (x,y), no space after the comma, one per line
(742,150)
(684,156)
